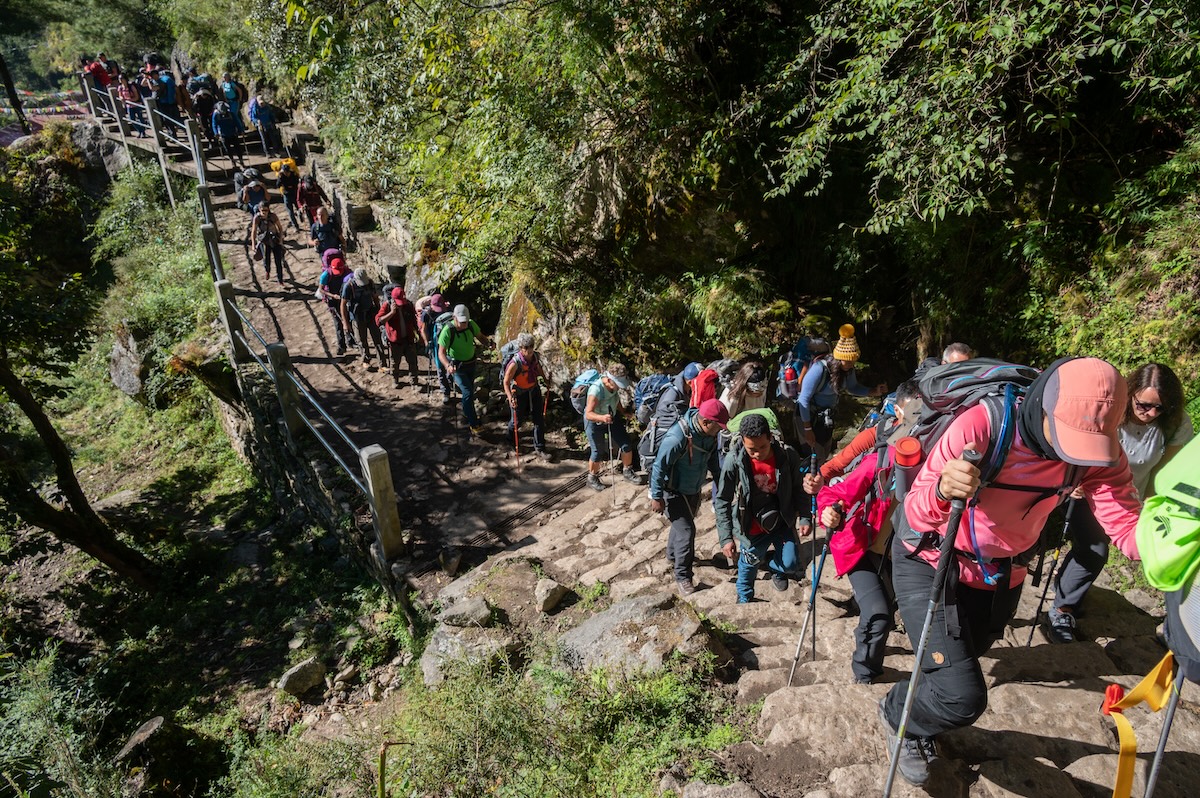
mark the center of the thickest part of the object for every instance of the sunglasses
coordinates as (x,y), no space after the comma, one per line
(1146,407)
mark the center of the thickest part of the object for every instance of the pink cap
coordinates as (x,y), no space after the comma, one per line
(397,293)
(714,410)
(1084,402)
(438,303)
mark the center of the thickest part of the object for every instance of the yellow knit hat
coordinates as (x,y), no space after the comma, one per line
(847,346)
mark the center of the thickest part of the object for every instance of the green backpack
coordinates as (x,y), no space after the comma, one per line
(1168,531)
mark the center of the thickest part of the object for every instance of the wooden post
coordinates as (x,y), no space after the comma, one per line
(156,129)
(207,215)
(285,388)
(213,247)
(232,322)
(197,146)
(378,473)
(87,94)
(122,121)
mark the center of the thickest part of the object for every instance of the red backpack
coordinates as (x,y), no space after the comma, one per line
(704,387)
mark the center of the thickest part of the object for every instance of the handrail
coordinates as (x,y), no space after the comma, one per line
(250,324)
(172,122)
(251,353)
(316,406)
(332,452)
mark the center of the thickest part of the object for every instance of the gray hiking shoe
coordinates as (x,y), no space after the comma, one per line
(634,477)
(686,587)
(916,753)
(779,582)
(594,482)
(1062,626)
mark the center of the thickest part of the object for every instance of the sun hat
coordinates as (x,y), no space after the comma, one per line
(1084,401)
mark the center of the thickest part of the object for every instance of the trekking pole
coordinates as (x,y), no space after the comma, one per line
(1050,576)
(1152,781)
(610,464)
(946,559)
(812,469)
(516,438)
(809,615)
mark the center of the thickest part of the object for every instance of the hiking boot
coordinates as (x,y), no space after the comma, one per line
(686,587)
(916,753)
(779,582)
(1062,626)
(634,477)
(447,400)
(395,382)
(543,455)
(593,482)
(341,350)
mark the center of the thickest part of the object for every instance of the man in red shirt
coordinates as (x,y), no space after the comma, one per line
(400,318)
(95,70)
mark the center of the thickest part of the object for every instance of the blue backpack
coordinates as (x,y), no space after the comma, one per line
(799,357)
(580,388)
(648,390)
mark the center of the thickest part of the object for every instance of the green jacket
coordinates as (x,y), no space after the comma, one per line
(736,478)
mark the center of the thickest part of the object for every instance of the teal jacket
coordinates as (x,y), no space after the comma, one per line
(685,458)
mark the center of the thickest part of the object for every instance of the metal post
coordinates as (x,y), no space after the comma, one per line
(159,143)
(212,245)
(122,121)
(232,322)
(378,474)
(285,388)
(197,143)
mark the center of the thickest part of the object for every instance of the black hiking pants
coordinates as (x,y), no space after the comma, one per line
(681,511)
(951,693)
(870,578)
(1085,561)
(529,406)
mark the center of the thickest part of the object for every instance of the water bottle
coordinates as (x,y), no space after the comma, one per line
(791,388)
(908,461)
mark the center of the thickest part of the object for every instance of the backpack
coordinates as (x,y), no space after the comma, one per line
(704,387)
(580,388)
(509,351)
(726,370)
(647,392)
(799,358)
(1168,531)
(886,408)
(361,300)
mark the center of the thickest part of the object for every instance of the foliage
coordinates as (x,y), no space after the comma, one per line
(549,732)
(49,724)
(946,102)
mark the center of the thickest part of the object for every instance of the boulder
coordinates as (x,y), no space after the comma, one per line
(1094,776)
(639,634)
(472,645)
(1021,776)
(127,367)
(736,790)
(547,594)
(303,677)
(473,611)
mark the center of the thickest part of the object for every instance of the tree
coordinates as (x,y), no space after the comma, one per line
(45,302)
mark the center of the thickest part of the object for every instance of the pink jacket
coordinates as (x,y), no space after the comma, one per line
(1008,522)
(850,543)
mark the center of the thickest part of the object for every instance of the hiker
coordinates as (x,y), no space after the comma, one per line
(857,511)
(92,68)
(329,288)
(688,453)
(1154,428)
(360,305)
(288,182)
(665,411)
(224,127)
(234,94)
(747,390)
(399,318)
(196,81)
(1067,431)
(520,384)
(312,198)
(429,308)
(111,67)
(254,194)
(166,96)
(267,235)
(204,104)
(823,384)
(456,351)
(262,116)
(323,233)
(764,477)
(603,418)
(131,96)
(957,352)
(892,413)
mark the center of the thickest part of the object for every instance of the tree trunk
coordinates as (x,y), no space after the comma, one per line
(80,526)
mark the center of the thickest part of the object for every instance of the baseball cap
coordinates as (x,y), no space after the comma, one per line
(438,303)
(1084,401)
(714,410)
(337,265)
(461,313)
(397,293)
(360,276)
(691,370)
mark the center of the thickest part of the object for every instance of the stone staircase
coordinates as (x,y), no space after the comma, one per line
(1042,734)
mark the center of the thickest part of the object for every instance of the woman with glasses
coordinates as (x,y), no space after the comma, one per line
(1156,426)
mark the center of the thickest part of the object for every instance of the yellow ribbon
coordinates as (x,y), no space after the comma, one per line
(1155,690)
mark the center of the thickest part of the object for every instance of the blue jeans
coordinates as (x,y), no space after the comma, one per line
(597,432)
(464,378)
(442,377)
(782,548)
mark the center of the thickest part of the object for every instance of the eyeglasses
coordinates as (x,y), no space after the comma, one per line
(1146,407)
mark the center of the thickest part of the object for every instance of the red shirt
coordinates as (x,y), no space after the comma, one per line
(766,480)
(99,74)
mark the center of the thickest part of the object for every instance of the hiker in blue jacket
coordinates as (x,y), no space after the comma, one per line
(686,457)
(823,384)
